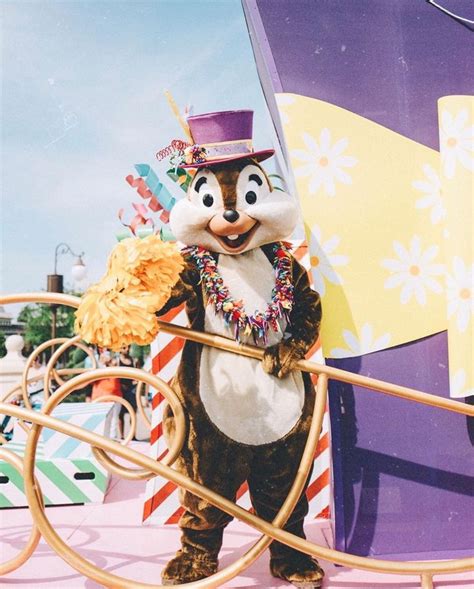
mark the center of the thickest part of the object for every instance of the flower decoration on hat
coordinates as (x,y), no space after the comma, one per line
(194,154)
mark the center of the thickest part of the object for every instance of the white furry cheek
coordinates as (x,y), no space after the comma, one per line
(189,223)
(186,219)
(277,220)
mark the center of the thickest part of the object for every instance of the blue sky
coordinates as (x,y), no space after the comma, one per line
(82,101)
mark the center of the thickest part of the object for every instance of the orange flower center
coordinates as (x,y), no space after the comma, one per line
(314,260)
(414,270)
(464,293)
(452,142)
(323,161)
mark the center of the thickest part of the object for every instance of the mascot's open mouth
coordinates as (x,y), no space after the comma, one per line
(235,242)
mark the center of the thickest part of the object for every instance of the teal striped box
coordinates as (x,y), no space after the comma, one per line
(95,417)
(63,481)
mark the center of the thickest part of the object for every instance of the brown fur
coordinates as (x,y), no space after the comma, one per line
(227,176)
(211,458)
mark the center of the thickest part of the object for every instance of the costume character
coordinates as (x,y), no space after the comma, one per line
(246,420)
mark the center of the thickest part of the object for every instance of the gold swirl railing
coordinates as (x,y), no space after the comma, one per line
(148,467)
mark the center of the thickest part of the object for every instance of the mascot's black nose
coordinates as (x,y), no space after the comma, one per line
(231,215)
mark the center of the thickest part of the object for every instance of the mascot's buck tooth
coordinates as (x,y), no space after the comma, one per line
(246,420)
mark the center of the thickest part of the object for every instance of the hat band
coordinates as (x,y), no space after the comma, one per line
(197,154)
(223,148)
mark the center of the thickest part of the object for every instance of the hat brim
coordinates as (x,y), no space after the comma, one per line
(260,156)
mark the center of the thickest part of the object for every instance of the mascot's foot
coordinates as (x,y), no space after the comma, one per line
(188,566)
(301,571)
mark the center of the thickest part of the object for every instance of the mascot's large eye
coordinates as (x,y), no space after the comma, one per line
(208,200)
(251,197)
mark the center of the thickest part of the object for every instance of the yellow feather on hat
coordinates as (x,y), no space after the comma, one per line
(120,309)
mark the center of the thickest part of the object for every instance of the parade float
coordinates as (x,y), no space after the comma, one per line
(385,192)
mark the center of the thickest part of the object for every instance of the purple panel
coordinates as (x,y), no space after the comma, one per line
(403,471)
(387,61)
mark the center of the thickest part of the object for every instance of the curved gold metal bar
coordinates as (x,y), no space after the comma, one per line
(128,407)
(36,352)
(50,367)
(252,554)
(68,343)
(141,409)
(131,474)
(294,494)
(108,462)
(426,581)
(223,343)
(16,562)
(217,341)
(408,568)
(17,390)
(133,374)
(425,569)
(49,298)
(139,474)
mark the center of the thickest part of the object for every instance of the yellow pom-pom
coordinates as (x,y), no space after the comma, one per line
(120,309)
(154,262)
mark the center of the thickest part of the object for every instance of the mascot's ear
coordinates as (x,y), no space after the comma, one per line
(120,308)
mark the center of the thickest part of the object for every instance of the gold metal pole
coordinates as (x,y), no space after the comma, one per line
(426,581)
(223,343)
(425,569)
(11,565)
(41,420)
(217,341)
(128,407)
(68,343)
(134,374)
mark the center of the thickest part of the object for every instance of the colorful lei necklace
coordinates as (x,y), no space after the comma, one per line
(233,311)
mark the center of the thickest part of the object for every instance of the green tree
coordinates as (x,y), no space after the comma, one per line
(139,353)
(38,319)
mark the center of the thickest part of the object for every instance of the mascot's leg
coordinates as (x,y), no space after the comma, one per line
(272,474)
(222,465)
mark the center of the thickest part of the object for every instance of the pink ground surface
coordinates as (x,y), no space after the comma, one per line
(111,536)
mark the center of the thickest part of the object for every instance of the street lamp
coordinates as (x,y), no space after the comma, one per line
(55,281)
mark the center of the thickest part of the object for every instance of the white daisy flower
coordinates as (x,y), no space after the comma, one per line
(431,186)
(282,101)
(323,259)
(414,271)
(460,293)
(362,345)
(457,142)
(457,385)
(324,163)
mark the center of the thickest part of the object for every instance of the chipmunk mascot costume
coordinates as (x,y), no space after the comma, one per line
(246,420)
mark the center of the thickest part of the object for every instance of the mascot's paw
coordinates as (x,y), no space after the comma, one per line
(301,571)
(188,566)
(280,359)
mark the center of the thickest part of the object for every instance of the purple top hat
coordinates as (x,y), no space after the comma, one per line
(221,137)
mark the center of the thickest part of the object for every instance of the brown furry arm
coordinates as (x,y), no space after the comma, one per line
(301,332)
(184,290)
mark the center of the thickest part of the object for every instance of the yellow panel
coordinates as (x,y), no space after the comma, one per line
(376,226)
(456,121)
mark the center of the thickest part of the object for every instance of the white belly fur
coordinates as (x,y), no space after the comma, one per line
(245,403)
